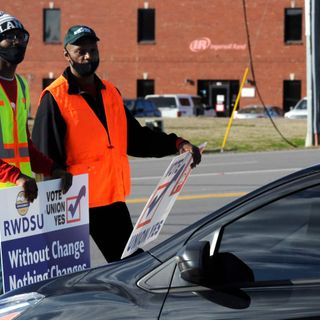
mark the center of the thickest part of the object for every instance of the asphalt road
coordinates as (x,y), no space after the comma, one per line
(219,179)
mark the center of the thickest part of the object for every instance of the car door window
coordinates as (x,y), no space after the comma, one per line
(164,102)
(281,240)
(184,102)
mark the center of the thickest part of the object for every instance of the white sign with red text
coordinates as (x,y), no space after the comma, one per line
(156,211)
(205,43)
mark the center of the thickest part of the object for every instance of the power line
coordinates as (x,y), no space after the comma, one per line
(254,77)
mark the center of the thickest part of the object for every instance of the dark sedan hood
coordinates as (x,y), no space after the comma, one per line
(111,277)
(112,287)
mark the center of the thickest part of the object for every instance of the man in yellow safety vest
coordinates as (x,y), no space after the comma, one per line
(18,156)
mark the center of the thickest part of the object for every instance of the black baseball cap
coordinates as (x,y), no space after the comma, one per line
(78,32)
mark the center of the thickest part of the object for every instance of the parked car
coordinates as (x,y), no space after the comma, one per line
(256,258)
(258,111)
(142,108)
(177,105)
(208,111)
(299,111)
(201,109)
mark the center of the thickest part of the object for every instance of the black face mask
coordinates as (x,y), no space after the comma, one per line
(85,69)
(14,55)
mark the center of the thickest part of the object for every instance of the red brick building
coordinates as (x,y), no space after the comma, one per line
(185,46)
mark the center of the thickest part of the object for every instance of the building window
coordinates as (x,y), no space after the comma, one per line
(51,25)
(146,25)
(46,82)
(293,25)
(144,87)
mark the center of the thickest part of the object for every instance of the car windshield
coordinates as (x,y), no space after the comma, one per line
(163,102)
(302,105)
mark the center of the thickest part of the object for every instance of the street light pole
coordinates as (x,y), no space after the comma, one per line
(312,29)
(315,29)
(309,136)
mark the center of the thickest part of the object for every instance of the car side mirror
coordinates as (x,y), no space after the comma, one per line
(222,269)
(224,273)
(193,262)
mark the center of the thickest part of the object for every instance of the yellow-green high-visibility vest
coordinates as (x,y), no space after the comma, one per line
(13,134)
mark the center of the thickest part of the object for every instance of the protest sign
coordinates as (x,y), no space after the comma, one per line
(154,214)
(46,238)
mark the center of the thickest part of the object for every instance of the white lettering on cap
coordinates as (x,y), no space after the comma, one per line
(14,24)
(82,29)
(10,25)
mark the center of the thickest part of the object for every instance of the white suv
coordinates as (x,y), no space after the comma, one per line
(177,105)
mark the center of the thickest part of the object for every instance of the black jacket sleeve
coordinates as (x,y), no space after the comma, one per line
(49,130)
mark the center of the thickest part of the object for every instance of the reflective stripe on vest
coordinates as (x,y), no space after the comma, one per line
(87,145)
(13,135)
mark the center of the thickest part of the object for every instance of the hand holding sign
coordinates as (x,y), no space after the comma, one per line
(195,151)
(154,214)
(29,186)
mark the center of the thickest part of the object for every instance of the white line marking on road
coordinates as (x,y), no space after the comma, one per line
(195,175)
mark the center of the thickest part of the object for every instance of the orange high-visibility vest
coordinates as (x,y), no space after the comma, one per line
(13,135)
(87,146)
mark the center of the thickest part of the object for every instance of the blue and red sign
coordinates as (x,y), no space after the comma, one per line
(46,238)
(156,211)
